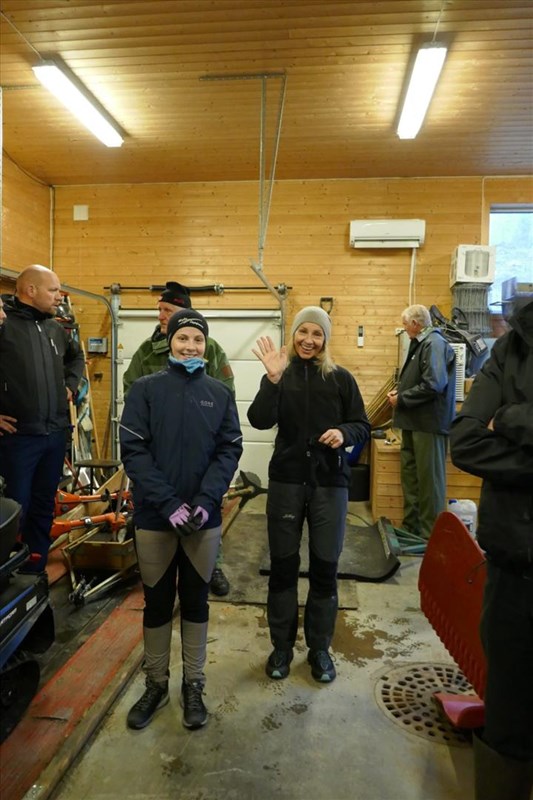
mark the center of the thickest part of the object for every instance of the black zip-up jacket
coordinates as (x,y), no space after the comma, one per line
(38,360)
(180,443)
(426,388)
(502,392)
(303,405)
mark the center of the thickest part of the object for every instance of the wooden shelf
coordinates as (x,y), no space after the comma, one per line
(386,495)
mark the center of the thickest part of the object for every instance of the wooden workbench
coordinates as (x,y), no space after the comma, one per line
(386,496)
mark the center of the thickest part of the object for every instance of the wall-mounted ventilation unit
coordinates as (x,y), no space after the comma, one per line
(460,370)
(473,263)
(382,233)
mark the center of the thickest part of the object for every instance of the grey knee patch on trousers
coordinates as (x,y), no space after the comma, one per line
(155,551)
(202,550)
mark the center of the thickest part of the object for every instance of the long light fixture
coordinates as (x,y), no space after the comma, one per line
(426,70)
(63,84)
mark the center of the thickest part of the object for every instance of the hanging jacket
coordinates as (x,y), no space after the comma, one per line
(503,457)
(303,405)
(152,355)
(38,360)
(180,443)
(426,388)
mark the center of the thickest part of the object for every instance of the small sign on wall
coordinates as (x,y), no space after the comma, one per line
(97,344)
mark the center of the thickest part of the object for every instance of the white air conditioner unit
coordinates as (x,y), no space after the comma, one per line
(473,263)
(460,369)
(387,233)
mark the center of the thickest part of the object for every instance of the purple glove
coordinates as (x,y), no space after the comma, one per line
(197,519)
(180,515)
(201,514)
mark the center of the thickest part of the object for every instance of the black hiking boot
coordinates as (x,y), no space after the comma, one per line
(155,696)
(194,711)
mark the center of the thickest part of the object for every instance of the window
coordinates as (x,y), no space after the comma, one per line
(511,232)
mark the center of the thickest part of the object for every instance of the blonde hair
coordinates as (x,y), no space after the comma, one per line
(324,359)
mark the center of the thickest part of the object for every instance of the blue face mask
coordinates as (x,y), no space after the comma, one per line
(190,364)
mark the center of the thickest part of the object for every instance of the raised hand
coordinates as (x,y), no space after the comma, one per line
(273,360)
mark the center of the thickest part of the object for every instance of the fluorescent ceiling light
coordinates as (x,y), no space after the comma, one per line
(74,96)
(424,77)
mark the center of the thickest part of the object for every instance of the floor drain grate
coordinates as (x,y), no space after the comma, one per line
(405,695)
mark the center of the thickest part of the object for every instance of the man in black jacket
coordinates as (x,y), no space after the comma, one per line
(40,368)
(424,406)
(492,437)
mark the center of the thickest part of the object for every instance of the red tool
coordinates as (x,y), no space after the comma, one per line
(451,583)
(113,520)
(65,500)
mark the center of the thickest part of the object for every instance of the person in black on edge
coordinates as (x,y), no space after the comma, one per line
(492,437)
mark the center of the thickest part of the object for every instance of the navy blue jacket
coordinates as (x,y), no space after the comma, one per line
(426,388)
(303,405)
(503,457)
(38,360)
(180,443)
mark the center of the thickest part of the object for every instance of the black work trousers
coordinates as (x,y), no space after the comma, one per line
(288,507)
(507,636)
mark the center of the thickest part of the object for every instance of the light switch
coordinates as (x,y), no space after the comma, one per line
(80,213)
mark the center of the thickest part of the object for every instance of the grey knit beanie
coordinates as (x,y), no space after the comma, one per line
(313,314)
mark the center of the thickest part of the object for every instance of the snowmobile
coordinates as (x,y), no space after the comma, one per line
(26,620)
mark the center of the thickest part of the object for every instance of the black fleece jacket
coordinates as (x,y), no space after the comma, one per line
(303,405)
(38,360)
(503,457)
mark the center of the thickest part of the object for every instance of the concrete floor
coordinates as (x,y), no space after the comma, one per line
(286,739)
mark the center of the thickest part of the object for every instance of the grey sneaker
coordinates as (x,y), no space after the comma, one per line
(278,664)
(194,711)
(322,667)
(140,714)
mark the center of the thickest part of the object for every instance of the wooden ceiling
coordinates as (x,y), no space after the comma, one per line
(345,64)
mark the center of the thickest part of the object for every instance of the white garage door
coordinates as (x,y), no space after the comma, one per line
(236,332)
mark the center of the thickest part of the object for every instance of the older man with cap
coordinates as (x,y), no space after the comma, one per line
(152,356)
(319,412)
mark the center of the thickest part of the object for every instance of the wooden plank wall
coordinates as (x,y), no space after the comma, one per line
(26,219)
(205,233)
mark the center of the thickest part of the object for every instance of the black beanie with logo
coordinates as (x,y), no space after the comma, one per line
(186,318)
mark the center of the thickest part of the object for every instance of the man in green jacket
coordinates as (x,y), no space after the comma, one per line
(152,356)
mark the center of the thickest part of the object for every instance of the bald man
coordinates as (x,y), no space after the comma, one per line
(40,369)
